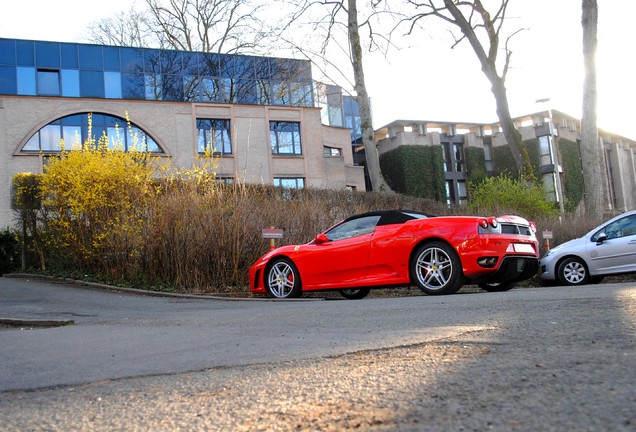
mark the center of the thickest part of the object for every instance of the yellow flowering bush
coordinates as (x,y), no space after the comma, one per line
(96,199)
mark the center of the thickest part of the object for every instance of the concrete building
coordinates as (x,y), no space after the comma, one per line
(552,138)
(260,116)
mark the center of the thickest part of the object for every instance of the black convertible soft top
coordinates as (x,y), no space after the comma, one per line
(391,217)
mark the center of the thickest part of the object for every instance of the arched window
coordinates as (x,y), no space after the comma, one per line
(74,130)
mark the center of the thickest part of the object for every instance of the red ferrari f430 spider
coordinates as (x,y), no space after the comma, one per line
(395,248)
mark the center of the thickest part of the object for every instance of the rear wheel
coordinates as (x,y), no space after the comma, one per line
(497,286)
(436,269)
(283,279)
(355,294)
(572,271)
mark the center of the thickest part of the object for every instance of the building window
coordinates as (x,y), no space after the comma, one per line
(285,138)
(454,157)
(545,155)
(229,181)
(74,130)
(48,82)
(214,136)
(458,150)
(450,192)
(455,171)
(332,152)
(549,186)
(448,158)
(289,182)
(462,193)
(488,155)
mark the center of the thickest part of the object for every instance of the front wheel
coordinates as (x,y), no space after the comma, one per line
(283,279)
(436,269)
(572,271)
(355,294)
(497,286)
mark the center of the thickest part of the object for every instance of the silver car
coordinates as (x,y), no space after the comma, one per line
(608,249)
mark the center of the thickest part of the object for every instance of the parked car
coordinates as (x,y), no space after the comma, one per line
(608,249)
(401,248)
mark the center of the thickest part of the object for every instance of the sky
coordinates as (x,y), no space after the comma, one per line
(431,81)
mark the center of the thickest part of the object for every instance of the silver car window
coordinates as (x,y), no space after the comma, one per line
(622,227)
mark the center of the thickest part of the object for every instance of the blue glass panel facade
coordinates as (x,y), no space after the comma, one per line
(47,54)
(70,83)
(26,53)
(92,84)
(133,86)
(26,81)
(152,61)
(152,74)
(111,58)
(112,85)
(7,52)
(132,59)
(91,57)
(8,83)
(70,56)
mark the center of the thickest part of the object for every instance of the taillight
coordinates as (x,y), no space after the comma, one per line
(493,222)
(483,223)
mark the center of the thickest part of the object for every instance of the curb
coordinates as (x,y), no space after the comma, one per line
(10,322)
(149,293)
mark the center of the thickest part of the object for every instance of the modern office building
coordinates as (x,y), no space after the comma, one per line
(261,116)
(470,150)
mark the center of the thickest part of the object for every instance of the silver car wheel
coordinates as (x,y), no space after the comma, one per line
(574,272)
(281,280)
(434,268)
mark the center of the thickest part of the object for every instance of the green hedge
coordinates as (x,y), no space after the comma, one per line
(9,251)
(503,162)
(573,183)
(415,170)
(475,164)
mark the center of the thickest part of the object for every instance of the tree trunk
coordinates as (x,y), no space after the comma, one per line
(488,63)
(368,136)
(512,134)
(591,150)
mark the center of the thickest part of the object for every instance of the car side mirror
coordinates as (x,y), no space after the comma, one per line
(601,238)
(321,238)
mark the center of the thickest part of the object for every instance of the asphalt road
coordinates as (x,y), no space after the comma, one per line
(529,359)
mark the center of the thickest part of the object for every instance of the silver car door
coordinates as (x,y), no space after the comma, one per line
(617,253)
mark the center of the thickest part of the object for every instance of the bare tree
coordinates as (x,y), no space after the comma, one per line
(124,29)
(591,151)
(223,26)
(335,26)
(482,29)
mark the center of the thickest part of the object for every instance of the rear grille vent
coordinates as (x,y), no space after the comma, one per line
(515,229)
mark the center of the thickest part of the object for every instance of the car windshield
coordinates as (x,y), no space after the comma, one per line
(353,228)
